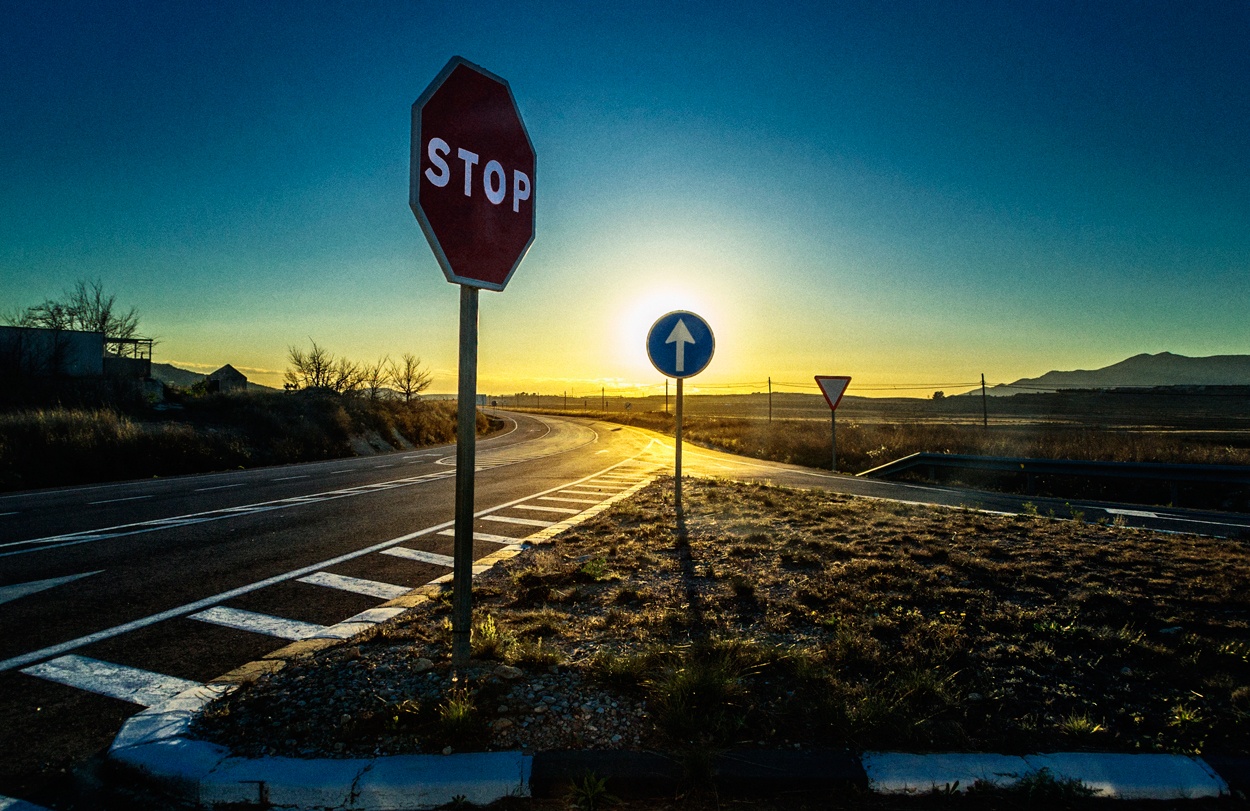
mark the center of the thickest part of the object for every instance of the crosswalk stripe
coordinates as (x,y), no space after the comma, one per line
(564,510)
(529,522)
(420,556)
(356,585)
(570,500)
(484,536)
(142,687)
(267,624)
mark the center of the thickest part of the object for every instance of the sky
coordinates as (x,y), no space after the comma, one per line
(910,193)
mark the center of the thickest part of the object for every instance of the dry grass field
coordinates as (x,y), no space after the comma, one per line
(1143,427)
(798,619)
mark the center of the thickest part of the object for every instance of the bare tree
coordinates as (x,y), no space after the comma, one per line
(375,376)
(310,370)
(407,376)
(347,377)
(86,307)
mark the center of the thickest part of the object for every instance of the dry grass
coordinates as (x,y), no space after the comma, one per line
(61,446)
(802,618)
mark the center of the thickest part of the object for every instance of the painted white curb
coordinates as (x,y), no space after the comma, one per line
(1118,776)
(10,804)
(155,743)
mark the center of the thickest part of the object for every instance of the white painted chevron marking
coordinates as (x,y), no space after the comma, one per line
(22,589)
(537,508)
(529,522)
(570,500)
(421,556)
(267,624)
(484,536)
(356,585)
(142,687)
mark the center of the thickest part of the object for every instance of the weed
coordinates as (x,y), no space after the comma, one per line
(596,569)
(488,641)
(1183,716)
(1043,785)
(1080,726)
(535,653)
(590,793)
(457,713)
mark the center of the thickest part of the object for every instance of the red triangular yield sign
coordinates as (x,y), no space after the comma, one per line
(833,387)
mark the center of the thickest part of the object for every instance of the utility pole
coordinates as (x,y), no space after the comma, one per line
(985,410)
(603,398)
(770,399)
(566,399)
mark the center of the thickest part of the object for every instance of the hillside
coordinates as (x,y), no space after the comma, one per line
(171,375)
(1163,369)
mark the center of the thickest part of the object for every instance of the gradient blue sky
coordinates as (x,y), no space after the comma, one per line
(902,192)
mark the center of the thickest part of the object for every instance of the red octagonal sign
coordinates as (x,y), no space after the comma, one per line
(471,180)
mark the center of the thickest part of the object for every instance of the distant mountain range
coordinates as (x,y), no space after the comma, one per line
(1163,369)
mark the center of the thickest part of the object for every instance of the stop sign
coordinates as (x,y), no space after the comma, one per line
(471,179)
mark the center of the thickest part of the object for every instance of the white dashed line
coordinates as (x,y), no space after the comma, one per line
(266,624)
(356,585)
(288,478)
(421,556)
(116,500)
(218,487)
(142,687)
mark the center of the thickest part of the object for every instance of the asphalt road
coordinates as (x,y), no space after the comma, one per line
(113,597)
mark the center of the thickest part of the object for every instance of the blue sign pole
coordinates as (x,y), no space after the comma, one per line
(680,345)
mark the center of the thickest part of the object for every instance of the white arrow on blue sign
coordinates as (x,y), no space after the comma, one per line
(680,344)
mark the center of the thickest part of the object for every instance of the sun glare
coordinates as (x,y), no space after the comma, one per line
(638,315)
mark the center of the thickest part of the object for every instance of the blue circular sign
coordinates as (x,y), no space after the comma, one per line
(680,344)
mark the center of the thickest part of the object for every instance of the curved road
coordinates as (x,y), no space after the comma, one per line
(115,596)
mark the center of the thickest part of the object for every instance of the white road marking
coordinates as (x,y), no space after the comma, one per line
(142,687)
(336,472)
(288,478)
(116,500)
(379,467)
(183,610)
(484,536)
(356,585)
(529,522)
(217,487)
(421,556)
(573,500)
(267,624)
(72,538)
(562,510)
(2,515)
(1132,513)
(16,590)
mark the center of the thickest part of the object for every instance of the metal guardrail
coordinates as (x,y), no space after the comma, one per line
(1173,475)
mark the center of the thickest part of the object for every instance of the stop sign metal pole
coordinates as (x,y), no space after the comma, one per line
(466,466)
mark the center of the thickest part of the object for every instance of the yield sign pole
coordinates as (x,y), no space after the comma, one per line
(471,188)
(833,387)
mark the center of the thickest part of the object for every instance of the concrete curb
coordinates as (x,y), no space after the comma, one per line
(155,744)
